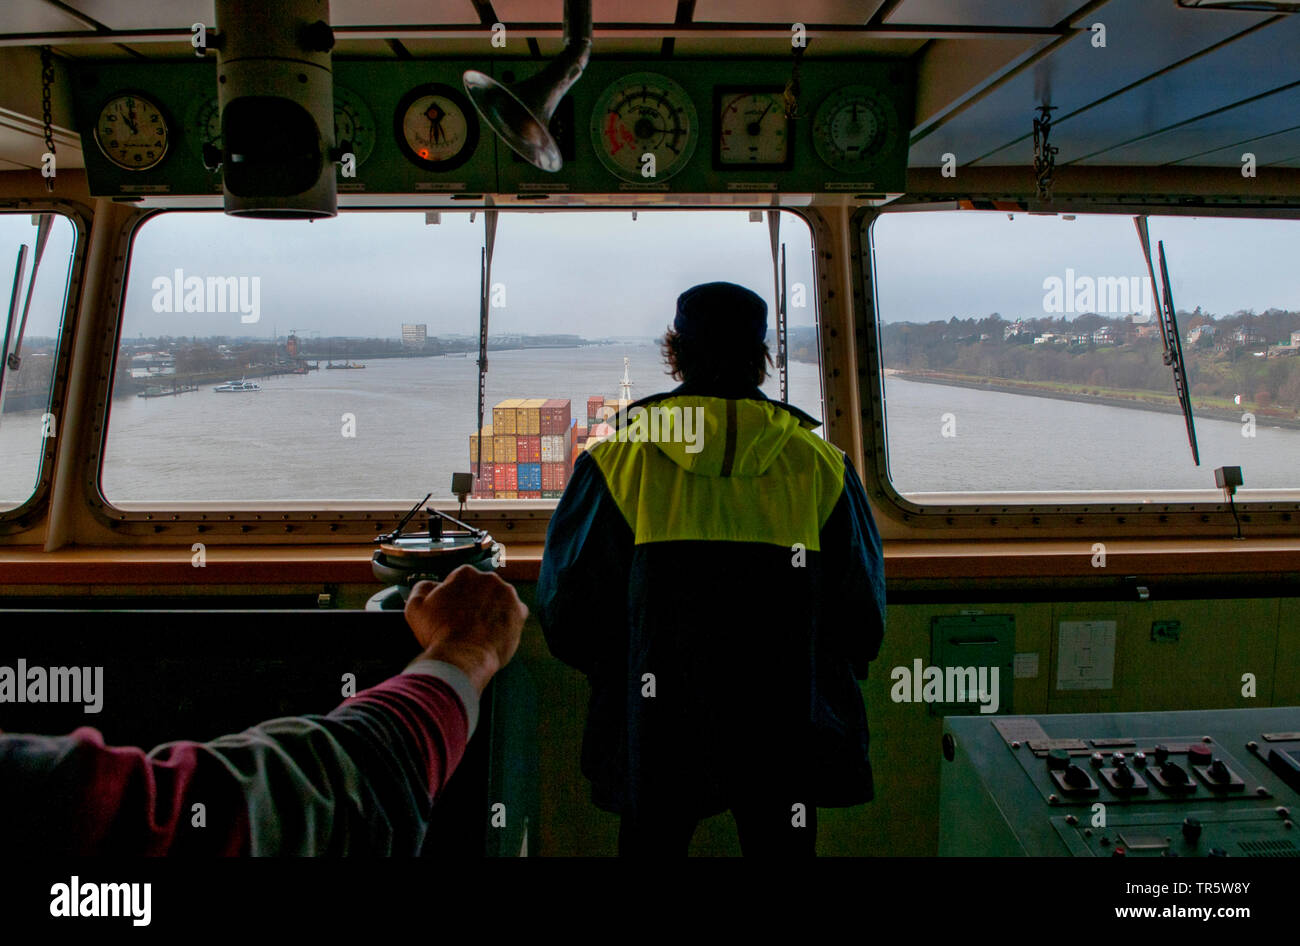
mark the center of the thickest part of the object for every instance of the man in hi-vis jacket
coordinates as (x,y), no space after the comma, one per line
(714,570)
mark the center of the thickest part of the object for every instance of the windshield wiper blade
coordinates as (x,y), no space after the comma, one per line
(43,224)
(1163,298)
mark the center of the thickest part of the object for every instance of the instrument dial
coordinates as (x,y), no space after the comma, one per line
(644,114)
(353,123)
(753,130)
(132,132)
(203,124)
(852,127)
(436,127)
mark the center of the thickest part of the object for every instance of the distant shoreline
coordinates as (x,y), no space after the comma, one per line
(1136,403)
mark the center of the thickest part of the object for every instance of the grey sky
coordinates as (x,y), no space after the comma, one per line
(592,274)
(599,274)
(969,264)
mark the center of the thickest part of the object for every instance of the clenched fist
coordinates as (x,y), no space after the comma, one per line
(473,619)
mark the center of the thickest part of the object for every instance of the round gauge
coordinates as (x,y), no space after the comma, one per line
(436,127)
(203,123)
(353,123)
(851,128)
(132,132)
(753,130)
(644,114)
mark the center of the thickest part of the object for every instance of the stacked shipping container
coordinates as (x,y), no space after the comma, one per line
(528,450)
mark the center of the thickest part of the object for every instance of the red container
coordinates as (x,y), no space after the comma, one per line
(505,477)
(530,494)
(528,449)
(594,404)
(554,475)
(556,416)
(484,480)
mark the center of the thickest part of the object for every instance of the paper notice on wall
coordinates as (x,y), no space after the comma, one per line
(1086,652)
(1025,666)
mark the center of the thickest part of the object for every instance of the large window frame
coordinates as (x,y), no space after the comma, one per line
(522,520)
(28,515)
(1125,513)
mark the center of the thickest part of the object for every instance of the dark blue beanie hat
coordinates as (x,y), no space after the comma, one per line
(720,311)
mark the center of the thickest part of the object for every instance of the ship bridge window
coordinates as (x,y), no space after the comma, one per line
(266,361)
(1023,356)
(36,266)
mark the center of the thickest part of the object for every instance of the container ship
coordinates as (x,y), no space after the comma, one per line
(529,449)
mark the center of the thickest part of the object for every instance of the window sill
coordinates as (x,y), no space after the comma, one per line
(905,561)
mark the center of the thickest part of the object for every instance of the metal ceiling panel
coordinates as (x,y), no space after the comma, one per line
(782,11)
(1269,150)
(1142,37)
(401,12)
(985,12)
(180,14)
(1247,67)
(101,51)
(35,16)
(602,11)
(1216,132)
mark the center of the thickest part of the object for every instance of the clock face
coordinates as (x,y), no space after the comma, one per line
(852,127)
(752,129)
(436,127)
(131,132)
(640,115)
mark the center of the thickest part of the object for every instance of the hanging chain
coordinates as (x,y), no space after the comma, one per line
(791,92)
(1044,154)
(47,84)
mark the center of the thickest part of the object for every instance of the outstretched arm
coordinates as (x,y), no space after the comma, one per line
(361,779)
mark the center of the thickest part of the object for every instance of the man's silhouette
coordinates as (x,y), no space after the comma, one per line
(714,570)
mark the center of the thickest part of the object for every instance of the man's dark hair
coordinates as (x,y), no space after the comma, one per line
(733,362)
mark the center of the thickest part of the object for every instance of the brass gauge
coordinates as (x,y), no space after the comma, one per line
(436,127)
(132,132)
(852,127)
(752,130)
(644,113)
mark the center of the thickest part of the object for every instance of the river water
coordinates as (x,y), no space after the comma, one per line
(412,418)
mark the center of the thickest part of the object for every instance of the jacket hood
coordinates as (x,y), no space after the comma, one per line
(711,436)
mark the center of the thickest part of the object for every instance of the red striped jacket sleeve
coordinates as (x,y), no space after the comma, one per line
(361,779)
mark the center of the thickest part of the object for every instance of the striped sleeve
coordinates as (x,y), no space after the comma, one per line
(361,779)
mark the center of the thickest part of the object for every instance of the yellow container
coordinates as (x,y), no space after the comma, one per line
(507,494)
(487,446)
(504,448)
(505,416)
(530,417)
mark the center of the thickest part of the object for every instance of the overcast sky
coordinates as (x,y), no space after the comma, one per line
(592,274)
(603,274)
(937,265)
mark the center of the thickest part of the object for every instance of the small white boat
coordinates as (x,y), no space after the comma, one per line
(238,386)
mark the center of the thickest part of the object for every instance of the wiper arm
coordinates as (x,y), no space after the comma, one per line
(43,224)
(1164,305)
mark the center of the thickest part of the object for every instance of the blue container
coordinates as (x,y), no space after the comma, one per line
(530,476)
